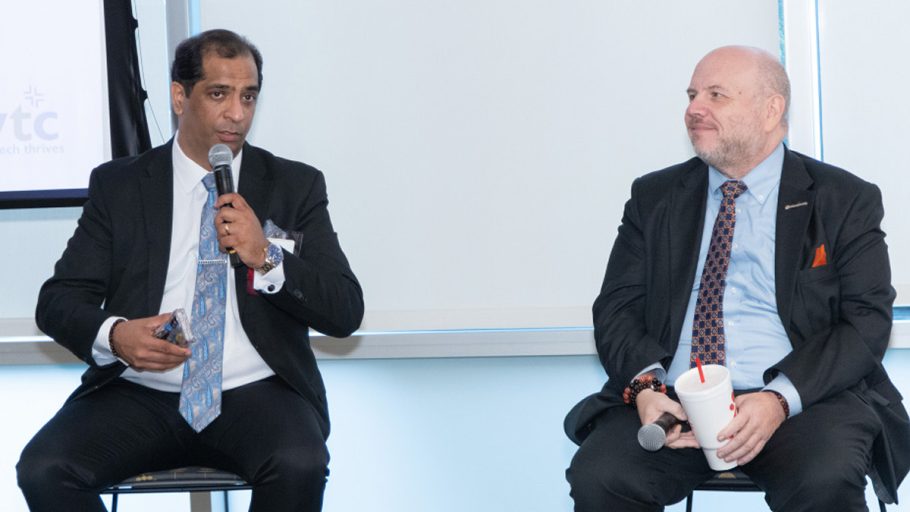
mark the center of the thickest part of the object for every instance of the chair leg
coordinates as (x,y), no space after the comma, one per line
(881,505)
(114,502)
(200,502)
(689,502)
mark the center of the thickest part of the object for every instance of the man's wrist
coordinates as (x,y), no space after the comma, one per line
(639,384)
(110,338)
(272,257)
(782,401)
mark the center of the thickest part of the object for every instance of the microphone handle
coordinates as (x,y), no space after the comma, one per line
(667,421)
(224,182)
(235,260)
(653,436)
(224,179)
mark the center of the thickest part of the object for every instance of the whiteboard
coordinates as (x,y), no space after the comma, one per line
(478,153)
(866,109)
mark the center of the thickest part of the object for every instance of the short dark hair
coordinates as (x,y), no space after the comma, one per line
(187,67)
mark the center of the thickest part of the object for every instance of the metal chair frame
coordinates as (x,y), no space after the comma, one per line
(198,481)
(736,481)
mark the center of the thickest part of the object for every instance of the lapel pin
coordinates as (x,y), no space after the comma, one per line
(796,205)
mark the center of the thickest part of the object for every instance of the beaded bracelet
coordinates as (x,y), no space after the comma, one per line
(110,338)
(782,401)
(639,384)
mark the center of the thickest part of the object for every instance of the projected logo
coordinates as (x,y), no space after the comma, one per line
(31,127)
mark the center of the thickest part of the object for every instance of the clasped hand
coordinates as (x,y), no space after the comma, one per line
(651,405)
(758,416)
(238,227)
(136,344)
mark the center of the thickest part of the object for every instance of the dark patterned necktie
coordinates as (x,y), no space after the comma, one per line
(200,392)
(708,326)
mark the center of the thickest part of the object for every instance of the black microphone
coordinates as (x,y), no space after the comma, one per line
(220,158)
(653,436)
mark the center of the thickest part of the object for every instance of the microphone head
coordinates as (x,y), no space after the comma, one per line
(652,437)
(220,155)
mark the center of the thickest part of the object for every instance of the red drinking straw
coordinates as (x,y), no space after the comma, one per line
(701,374)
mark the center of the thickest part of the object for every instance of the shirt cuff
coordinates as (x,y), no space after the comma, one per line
(270,282)
(101,349)
(658,370)
(782,385)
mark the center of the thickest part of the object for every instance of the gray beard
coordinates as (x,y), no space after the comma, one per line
(728,154)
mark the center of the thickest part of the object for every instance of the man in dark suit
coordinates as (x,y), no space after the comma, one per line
(802,323)
(136,256)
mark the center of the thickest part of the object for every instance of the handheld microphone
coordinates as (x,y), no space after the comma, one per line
(653,436)
(220,158)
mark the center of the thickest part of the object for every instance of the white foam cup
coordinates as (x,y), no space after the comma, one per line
(709,406)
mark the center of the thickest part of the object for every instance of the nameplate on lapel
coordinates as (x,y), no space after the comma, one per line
(795,205)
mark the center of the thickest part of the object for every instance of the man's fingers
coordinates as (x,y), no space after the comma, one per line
(234,199)
(153,322)
(161,348)
(152,350)
(239,229)
(746,451)
(651,405)
(675,408)
(677,439)
(159,355)
(751,455)
(733,428)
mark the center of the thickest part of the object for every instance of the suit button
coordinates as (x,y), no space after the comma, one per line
(298,294)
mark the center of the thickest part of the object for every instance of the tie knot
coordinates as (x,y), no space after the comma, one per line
(209,181)
(733,188)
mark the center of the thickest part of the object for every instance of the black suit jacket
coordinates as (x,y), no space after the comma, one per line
(116,264)
(837,316)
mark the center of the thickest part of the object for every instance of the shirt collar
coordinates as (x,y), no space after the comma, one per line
(761,181)
(188,174)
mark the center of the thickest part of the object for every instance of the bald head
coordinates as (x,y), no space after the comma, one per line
(769,74)
(738,102)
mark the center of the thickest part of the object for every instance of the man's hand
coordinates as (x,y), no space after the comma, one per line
(239,229)
(652,404)
(135,344)
(758,416)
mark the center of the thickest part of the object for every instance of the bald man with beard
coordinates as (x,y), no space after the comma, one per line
(805,318)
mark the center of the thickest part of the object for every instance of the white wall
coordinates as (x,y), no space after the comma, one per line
(33,241)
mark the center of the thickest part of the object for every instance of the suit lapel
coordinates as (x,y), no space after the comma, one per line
(256,182)
(794,208)
(156,200)
(685,226)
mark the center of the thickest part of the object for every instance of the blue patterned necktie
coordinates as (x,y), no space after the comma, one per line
(200,392)
(708,337)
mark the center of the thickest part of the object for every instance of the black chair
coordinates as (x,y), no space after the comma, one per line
(197,481)
(735,481)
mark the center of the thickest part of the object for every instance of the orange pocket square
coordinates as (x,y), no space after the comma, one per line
(821,258)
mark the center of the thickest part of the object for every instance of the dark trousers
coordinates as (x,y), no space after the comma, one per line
(266,433)
(816,461)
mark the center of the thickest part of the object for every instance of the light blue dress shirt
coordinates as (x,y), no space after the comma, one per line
(755,336)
